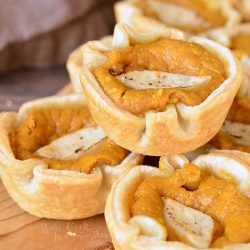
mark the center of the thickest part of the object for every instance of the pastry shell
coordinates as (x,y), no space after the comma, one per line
(127,12)
(75,63)
(126,235)
(238,140)
(56,194)
(244,7)
(180,128)
(242,29)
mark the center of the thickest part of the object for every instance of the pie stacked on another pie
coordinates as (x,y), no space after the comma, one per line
(244,8)
(239,42)
(158,93)
(235,132)
(200,17)
(75,63)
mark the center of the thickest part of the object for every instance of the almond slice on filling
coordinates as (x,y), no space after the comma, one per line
(189,224)
(239,132)
(72,146)
(176,15)
(158,80)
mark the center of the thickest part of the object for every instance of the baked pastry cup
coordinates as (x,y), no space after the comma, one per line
(182,205)
(244,7)
(238,39)
(235,132)
(55,162)
(153,93)
(75,63)
(203,17)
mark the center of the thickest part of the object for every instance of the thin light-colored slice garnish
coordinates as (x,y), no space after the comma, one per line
(188,224)
(147,79)
(176,15)
(239,132)
(72,146)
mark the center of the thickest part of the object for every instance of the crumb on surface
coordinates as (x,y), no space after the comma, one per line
(71,233)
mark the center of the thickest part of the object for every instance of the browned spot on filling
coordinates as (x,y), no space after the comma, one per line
(215,197)
(44,125)
(166,55)
(206,9)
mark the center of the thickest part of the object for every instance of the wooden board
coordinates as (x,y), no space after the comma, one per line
(18,229)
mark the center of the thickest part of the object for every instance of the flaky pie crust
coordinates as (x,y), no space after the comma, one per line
(128,236)
(127,12)
(57,194)
(242,29)
(180,128)
(244,8)
(75,63)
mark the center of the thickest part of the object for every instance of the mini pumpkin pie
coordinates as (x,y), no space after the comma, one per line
(200,205)
(55,162)
(235,132)
(239,42)
(75,63)
(208,17)
(159,93)
(244,8)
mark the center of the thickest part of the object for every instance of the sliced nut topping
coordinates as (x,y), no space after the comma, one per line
(189,224)
(239,132)
(71,146)
(177,14)
(157,80)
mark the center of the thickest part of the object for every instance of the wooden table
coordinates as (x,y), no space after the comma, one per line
(18,229)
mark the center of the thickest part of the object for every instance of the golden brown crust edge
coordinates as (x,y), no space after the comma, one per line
(127,12)
(57,194)
(73,66)
(244,8)
(241,29)
(180,128)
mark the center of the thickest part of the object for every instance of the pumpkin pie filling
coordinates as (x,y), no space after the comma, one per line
(202,191)
(235,132)
(165,56)
(45,125)
(189,15)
